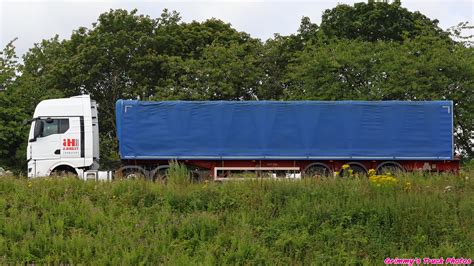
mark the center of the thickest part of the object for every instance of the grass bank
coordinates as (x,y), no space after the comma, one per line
(271,222)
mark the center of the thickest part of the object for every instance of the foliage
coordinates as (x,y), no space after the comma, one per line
(345,221)
(8,65)
(12,134)
(385,180)
(10,115)
(469,165)
(377,21)
(460,33)
(177,174)
(223,72)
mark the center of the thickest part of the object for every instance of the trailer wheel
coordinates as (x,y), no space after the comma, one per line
(389,168)
(357,170)
(160,173)
(133,173)
(317,170)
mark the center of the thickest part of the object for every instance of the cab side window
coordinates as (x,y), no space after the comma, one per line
(54,126)
(63,125)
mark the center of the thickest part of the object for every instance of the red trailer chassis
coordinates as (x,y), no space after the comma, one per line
(221,169)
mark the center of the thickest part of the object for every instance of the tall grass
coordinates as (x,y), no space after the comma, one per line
(338,221)
(178,175)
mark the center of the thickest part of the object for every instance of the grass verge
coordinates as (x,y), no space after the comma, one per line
(336,221)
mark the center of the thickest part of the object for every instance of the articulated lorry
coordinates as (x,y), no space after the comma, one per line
(218,139)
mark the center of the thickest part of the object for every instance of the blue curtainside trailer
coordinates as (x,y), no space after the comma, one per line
(406,135)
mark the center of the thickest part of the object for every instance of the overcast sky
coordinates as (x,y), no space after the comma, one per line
(32,21)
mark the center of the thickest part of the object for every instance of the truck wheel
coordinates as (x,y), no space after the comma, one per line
(316,171)
(63,171)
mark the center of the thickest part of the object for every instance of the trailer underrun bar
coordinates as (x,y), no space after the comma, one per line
(217,178)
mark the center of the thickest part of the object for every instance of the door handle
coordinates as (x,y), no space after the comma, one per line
(58,151)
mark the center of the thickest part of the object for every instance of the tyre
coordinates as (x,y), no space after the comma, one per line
(317,171)
(133,173)
(357,171)
(63,171)
(161,174)
(390,168)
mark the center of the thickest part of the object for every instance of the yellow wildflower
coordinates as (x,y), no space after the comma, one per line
(345,166)
(30,184)
(407,185)
(384,180)
(372,172)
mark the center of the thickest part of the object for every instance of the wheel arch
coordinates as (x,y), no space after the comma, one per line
(64,166)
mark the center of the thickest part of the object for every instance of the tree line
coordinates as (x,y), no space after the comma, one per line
(368,51)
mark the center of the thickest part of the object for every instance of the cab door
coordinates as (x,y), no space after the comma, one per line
(47,145)
(71,145)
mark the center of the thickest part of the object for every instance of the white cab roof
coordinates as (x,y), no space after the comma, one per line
(74,106)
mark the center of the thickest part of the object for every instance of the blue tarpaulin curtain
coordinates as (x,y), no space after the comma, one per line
(285,130)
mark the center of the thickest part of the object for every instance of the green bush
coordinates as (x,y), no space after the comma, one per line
(335,221)
(178,174)
(469,166)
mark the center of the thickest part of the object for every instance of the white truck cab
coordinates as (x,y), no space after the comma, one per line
(64,138)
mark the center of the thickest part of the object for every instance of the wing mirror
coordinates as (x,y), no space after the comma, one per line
(39,125)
